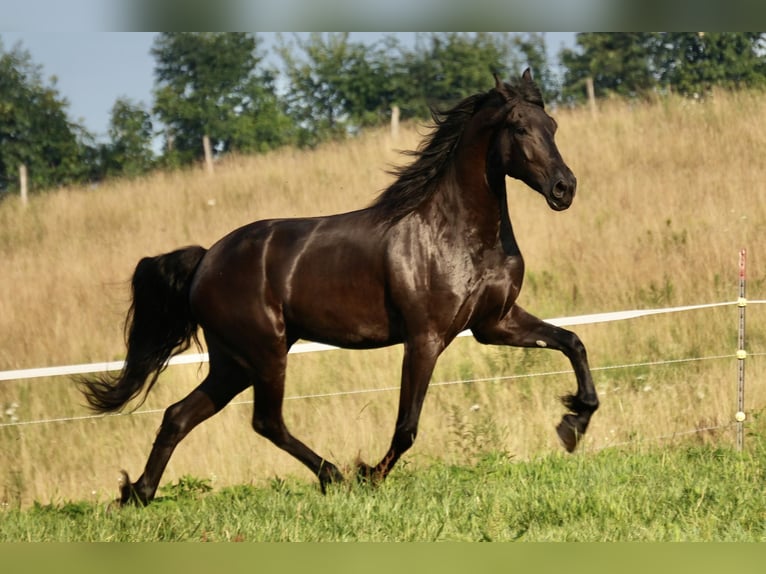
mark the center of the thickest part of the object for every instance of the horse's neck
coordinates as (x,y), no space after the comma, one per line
(507,238)
(474,193)
(474,201)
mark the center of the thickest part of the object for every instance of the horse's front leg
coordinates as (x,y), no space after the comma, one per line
(419,360)
(520,329)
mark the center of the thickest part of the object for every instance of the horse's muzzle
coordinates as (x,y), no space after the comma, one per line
(562,193)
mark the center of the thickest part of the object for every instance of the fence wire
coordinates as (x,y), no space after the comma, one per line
(335,394)
(601,317)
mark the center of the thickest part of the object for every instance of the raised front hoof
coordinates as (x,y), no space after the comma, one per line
(328,475)
(568,433)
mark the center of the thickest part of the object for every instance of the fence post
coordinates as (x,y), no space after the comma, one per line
(591,91)
(208,153)
(394,122)
(23,183)
(740,415)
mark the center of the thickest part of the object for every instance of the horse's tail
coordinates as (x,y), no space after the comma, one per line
(159,325)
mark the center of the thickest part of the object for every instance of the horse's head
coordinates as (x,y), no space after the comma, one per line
(526,147)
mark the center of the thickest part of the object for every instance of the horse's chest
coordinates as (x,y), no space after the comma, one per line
(498,285)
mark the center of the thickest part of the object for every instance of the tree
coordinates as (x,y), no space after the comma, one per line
(209,84)
(336,85)
(619,64)
(34,128)
(532,53)
(446,67)
(639,63)
(130,131)
(692,63)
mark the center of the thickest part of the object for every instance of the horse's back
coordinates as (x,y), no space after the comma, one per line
(321,279)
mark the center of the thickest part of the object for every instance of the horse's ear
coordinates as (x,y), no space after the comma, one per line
(527,75)
(501,86)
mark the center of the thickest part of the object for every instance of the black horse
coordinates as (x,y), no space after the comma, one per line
(434,255)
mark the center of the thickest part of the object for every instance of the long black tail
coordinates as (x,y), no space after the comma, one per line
(158,325)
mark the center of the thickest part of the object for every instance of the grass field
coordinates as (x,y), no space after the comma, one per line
(683,494)
(669,192)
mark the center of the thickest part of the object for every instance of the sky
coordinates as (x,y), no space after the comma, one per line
(94,69)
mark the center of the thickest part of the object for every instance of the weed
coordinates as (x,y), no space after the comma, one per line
(187,487)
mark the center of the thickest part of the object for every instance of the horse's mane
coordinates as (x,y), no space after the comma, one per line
(418,181)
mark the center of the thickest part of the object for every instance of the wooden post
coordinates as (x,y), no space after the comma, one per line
(591,94)
(23,183)
(394,122)
(208,153)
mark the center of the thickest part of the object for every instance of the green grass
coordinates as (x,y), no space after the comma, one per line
(692,493)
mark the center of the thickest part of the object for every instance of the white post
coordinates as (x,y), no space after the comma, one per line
(394,122)
(23,183)
(208,153)
(591,91)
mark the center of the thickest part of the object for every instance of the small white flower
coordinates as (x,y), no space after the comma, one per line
(475,408)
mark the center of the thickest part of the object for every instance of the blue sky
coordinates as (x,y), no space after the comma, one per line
(93,69)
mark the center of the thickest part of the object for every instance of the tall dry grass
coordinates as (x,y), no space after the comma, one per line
(668,194)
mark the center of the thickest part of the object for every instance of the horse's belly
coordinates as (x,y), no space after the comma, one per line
(345,312)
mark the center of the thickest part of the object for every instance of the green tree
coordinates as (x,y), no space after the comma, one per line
(638,63)
(336,85)
(448,66)
(618,63)
(692,63)
(130,132)
(34,128)
(531,52)
(210,84)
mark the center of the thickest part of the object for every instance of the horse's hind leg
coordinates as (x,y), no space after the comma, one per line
(224,381)
(269,389)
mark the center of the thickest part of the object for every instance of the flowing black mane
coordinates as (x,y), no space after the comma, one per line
(418,180)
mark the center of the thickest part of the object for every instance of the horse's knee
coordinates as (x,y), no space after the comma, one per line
(575,345)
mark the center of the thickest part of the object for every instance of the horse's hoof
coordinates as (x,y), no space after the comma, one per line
(126,489)
(128,493)
(366,474)
(567,432)
(329,475)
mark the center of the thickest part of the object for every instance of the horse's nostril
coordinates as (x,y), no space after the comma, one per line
(560,189)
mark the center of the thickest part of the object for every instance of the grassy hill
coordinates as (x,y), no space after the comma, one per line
(684,494)
(669,192)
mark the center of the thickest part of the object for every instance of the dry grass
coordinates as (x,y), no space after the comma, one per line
(668,194)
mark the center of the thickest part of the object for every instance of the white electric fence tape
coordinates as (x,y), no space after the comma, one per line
(186,359)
